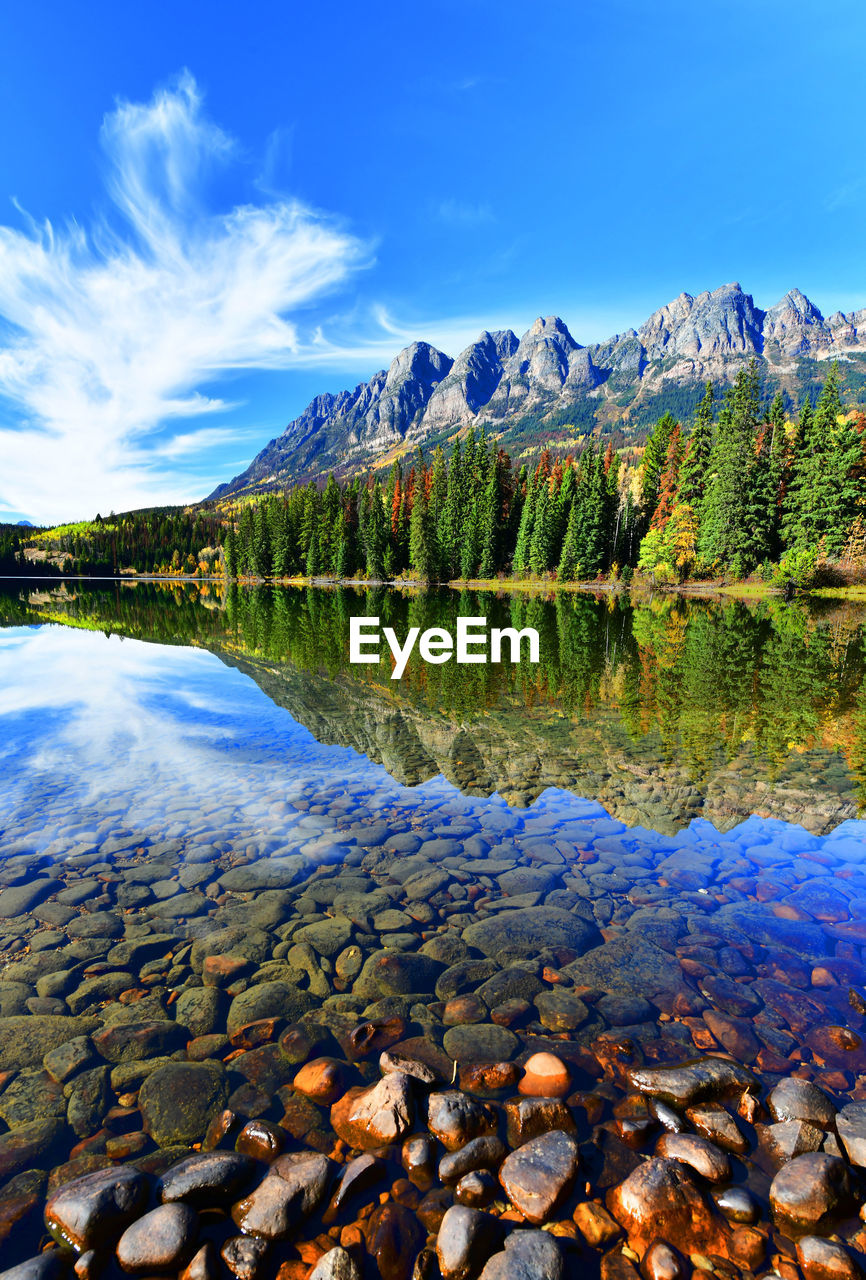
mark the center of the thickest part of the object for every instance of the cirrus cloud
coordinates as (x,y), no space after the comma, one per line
(109,334)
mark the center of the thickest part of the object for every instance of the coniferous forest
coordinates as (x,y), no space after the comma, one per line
(745,486)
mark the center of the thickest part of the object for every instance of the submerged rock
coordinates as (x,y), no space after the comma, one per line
(811,1189)
(92,1211)
(164,1238)
(536,1175)
(179,1100)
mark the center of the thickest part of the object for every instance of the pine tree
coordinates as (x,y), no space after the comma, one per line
(825,488)
(230,552)
(376,534)
(489,514)
(653,463)
(313,564)
(421,542)
(449,538)
(569,562)
(723,538)
(693,472)
(438,503)
(541,546)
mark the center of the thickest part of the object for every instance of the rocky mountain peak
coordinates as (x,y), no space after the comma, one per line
(420,361)
(502,381)
(796,325)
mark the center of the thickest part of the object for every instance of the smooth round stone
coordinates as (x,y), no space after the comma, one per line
(86,1211)
(163,1238)
(476,1189)
(794,1099)
(809,1189)
(700,1155)
(738,1205)
(178,1101)
(545,1076)
(480,1042)
(206,1178)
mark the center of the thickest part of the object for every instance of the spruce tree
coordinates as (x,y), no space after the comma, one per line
(653,463)
(376,534)
(541,546)
(569,562)
(421,545)
(693,472)
(489,512)
(723,539)
(449,532)
(825,487)
(438,502)
(230,552)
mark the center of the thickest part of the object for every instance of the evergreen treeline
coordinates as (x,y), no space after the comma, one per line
(471,516)
(750,488)
(745,487)
(159,540)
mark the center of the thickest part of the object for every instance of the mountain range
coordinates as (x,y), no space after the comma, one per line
(546,387)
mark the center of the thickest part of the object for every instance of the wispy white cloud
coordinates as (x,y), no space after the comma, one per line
(110,331)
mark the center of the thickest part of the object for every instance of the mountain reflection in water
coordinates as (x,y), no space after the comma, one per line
(662,709)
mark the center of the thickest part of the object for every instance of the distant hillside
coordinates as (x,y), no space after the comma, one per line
(545,386)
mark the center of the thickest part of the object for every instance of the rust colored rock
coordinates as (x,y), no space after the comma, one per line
(203,1265)
(634,1120)
(418,1158)
(464,1009)
(455,1119)
(489,1077)
(358,1175)
(661,1199)
(717,1125)
(374,1117)
(826,1260)
(254,1034)
(537,1175)
(374,1036)
(394,1240)
(596,1225)
(528,1118)
(697,1153)
(661,1262)
(511,1012)
(810,1190)
(218,1128)
(748,1247)
(545,1076)
(323,1081)
(219,971)
(261,1139)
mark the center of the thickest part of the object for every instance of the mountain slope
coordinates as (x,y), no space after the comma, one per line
(547,384)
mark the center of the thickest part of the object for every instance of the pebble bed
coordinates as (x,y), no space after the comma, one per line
(333,1027)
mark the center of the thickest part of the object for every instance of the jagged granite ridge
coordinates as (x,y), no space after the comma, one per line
(500,379)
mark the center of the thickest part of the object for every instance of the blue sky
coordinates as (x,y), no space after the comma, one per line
(209,212)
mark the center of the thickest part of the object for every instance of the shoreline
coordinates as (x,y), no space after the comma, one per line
(743,590)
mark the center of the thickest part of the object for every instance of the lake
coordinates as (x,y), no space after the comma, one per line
(228,853)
